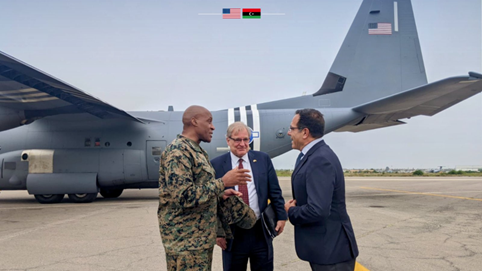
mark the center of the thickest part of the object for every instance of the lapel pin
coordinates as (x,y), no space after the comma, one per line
(254,161)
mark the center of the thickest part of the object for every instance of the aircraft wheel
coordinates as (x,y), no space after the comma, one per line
(49,198)
(111,193)
(83,198)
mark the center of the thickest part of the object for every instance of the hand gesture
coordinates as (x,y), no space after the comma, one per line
(236,176)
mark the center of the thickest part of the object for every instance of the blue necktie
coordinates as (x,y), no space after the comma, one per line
(298,159)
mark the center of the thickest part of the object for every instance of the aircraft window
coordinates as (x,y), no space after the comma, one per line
(156,150)
(87,142)
(107,144)
(129,143)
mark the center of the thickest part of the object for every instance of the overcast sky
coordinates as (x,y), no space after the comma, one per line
(147,55)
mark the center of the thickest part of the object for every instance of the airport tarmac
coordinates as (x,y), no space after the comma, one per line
(400,224)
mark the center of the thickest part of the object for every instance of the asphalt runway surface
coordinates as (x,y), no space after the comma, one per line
(400,224)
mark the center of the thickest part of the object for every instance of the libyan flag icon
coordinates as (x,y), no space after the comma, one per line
(251,13)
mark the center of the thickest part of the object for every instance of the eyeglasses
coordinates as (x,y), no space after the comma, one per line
(239,140)
(296,128)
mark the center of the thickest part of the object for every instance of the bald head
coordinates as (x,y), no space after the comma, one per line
(197,122)
(193,112)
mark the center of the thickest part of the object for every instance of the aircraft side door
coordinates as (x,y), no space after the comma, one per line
(154,149)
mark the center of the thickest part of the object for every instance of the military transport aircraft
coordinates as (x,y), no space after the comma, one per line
(58,140)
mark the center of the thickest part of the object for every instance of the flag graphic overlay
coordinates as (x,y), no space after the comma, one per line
(251,13)
(379,28)
(231,13)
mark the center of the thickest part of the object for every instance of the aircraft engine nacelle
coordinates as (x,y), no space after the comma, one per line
(61,171)
(73,171)
(11,118)
(46,171)
(13,173)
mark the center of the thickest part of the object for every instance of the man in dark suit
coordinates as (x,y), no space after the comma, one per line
(323,232)
(253,244)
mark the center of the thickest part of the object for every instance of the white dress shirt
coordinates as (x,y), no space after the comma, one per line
(253,196)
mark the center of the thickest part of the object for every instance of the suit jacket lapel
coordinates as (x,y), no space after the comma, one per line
(227,163)
(303,161)
(254,170)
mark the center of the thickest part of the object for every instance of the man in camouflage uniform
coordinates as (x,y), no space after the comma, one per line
(188,194)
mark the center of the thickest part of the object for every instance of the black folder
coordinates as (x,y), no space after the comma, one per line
(268,217)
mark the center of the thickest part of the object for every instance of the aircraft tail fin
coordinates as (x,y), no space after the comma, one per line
(380,56)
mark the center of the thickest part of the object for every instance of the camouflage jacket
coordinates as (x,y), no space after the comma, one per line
(188,197)
(233,211)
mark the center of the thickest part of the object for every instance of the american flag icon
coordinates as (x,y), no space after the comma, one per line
(231,13)
(380,29)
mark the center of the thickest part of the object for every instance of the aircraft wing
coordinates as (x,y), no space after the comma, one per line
(35,94)
(426,100)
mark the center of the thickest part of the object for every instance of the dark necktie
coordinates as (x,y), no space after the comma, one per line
(296,165)
(298,159)
(243,188)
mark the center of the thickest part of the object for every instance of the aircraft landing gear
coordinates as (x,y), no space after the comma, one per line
(49,198)
(83,198)
(110,193)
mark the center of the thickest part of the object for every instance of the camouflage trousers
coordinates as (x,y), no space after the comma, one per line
(200,260)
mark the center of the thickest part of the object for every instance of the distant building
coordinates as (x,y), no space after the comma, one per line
(468,168)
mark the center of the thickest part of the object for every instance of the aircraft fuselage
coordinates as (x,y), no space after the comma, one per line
(60,156)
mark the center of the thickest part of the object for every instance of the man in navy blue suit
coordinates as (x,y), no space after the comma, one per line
(323,232)
(253,244)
